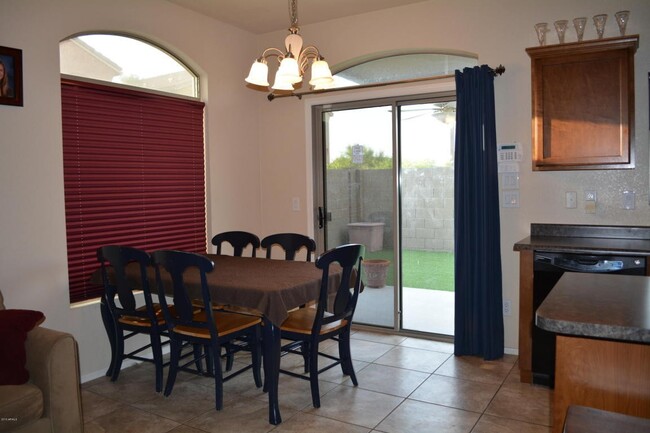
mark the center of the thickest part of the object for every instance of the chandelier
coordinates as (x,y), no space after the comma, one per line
(293,62)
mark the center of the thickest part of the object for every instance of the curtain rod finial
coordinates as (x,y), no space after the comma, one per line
(499,70)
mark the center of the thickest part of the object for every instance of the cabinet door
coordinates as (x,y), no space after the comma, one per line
(583,105)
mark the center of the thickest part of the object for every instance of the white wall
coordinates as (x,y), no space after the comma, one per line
(498,31)
(33,264)
(258,151)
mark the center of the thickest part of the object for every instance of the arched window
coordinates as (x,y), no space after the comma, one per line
(126,60)
(133,159)
(391,67)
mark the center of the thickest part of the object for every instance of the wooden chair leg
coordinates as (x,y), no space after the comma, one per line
(313,374)
(175,355)
(230,356)
(346,356)
(156,348)
(119,354)
(304,348)
(256,355)
(218,376)
(109,326)
(198,354)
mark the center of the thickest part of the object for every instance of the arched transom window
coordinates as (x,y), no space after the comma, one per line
(401,67)
(126,60)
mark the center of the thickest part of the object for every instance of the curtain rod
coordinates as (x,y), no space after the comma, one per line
(499,70)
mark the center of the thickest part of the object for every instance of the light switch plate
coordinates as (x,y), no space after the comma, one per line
(509,180)
(629,200)
(571,200)
(510,198)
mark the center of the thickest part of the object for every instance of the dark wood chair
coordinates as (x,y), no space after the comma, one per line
(210,328)
(130,318)
(291,243)
(238,240)
(307,327)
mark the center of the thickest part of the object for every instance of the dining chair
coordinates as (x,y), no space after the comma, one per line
(290,243)
(238,240)
(309,326)
(130,318)
(210,328)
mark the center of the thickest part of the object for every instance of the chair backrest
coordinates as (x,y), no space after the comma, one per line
(182,267)
(239,240)
(290,243)
(118,258)
(349,257)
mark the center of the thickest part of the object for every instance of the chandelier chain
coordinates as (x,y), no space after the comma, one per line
(293,12)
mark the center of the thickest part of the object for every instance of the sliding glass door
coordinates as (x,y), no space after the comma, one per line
(384,178)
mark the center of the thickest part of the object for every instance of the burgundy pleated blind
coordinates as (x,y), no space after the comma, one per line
(134,174)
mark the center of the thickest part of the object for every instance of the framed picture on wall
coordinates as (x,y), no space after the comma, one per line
(11,76)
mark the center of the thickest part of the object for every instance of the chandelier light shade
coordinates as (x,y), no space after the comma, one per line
(293,61)
(259,74)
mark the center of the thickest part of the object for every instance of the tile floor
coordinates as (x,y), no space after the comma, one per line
(406,385)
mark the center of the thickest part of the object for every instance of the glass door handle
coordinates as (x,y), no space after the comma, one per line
(321,217)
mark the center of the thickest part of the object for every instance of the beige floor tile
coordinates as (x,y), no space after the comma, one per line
(95,405)
(356,406)
(295,364)
(133,384)
(389,380)
(296,393)
(456,393)
(304,422)
(493,424)
(130,420)
(388,367)
(476,369)
(523,402)
(241,415)
(425,361)
(182,429)
(362,350)
(335,375)
(187,400)
(419,417)
(421,343)
(378,337)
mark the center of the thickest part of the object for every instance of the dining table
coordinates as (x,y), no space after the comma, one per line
(268,287)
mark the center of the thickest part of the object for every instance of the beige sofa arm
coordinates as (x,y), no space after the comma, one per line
(53,365)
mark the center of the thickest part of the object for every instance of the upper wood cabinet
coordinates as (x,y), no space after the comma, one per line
(583,104)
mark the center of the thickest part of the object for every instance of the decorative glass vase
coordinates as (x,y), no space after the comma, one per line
(621,19)
(560,28)
(579,24)
(541,29)
(599,22)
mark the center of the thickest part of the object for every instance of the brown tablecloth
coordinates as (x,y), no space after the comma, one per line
(272,287)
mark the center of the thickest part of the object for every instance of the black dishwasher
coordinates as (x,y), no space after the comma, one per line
(547,269)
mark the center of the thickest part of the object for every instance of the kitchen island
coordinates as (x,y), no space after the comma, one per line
(603,343)
(567,238)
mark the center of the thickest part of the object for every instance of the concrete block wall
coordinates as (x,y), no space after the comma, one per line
(366,196)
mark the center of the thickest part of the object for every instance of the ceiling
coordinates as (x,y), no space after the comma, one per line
(263,16)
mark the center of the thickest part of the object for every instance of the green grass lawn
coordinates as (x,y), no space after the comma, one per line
(421,269)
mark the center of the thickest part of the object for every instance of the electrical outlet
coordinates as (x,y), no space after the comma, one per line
(507,307)
(295,204)
(571,200)
(629,200)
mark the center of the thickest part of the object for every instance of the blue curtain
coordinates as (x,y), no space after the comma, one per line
(478,319)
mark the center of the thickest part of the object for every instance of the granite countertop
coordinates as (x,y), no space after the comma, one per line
(609,306)
(587,239)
